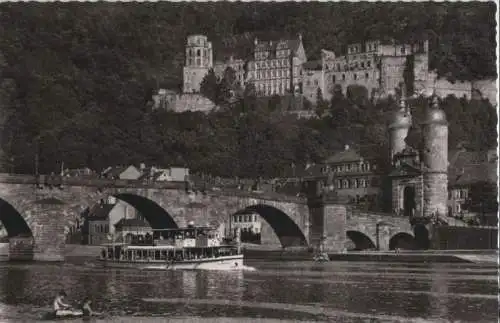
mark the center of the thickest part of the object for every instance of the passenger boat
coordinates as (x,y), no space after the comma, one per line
(183,248)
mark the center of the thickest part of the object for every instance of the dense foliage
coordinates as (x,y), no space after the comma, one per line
(76,79)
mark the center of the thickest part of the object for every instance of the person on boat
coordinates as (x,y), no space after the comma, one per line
(60,307)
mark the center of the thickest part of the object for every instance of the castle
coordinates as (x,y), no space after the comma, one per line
(281,67)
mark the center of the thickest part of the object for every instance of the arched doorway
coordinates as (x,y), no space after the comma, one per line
(409,201)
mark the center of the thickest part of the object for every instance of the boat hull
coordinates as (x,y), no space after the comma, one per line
(221,263)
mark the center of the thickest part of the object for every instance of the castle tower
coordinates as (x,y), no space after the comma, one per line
(435,161)
(199,60)
(399,127)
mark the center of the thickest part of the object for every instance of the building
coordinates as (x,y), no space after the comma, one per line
(469,171)
(127,228)
(96,228)
(122,172)
(276,68)
(199,61)
(183,102)
(250,227)
(239,67)
(376,65)
(312,75)
(354,177)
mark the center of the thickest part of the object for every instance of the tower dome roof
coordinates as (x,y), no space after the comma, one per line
(401,119)
(435,114)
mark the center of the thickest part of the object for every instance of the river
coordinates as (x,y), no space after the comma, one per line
(272,292)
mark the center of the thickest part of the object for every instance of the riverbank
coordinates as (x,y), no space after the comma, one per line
(300,254)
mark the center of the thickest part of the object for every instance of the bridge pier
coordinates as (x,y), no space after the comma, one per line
(47,242)
(327,225)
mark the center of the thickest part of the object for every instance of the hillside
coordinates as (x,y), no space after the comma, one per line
(76,78)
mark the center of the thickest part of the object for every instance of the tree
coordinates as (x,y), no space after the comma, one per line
(321,104)
(209,86)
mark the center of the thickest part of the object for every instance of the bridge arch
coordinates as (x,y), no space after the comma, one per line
(360,240)
(402,240)
(13,221)
(153,213)
(287,231)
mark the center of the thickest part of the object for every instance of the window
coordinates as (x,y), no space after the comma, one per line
(355,76)
(338,67)
(362,182)
(343,77)
(316,82)
(356,183)
(198,52)
(403,50)
(239,218)
(345,183)
(368,64)
(369,47)
(333,78)
(362,64)
(367,76)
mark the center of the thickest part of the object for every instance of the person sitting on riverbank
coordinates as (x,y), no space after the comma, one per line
(60,307)
(86,309)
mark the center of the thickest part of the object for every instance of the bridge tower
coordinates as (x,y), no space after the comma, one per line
(199,60)
(435,161)
(399,127)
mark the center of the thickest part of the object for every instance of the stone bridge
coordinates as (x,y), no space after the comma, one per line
(38,214)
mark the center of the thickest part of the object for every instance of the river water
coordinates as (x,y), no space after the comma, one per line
(272,292)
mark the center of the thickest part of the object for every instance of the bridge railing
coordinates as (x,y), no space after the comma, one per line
(256,195)
(124,183)
(357,212)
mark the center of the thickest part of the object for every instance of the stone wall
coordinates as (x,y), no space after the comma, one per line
(50,212)
(389,226)
(462,238)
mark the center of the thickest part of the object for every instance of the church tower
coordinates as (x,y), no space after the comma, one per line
(435,160)
(199,60)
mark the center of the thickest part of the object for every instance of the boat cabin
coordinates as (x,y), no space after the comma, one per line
(183,244)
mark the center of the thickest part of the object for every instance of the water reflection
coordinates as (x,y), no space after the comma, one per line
(275,290)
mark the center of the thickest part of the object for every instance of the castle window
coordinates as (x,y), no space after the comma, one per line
(362,182)
(343,77)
